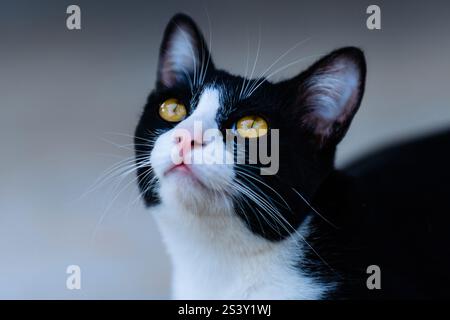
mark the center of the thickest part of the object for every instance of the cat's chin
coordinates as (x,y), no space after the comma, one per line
(183,176)
(184,183)
(187,191)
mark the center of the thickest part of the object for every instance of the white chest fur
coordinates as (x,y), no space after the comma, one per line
(217,257)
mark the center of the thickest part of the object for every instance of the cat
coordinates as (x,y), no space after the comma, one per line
(307,231)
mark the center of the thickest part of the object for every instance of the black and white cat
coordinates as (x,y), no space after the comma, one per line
(308,231)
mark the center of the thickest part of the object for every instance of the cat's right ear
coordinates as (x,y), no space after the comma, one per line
(184,56)
(329,93)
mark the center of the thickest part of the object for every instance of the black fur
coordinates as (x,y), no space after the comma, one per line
(279,104)
(390,209)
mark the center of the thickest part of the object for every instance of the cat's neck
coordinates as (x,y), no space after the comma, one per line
(215,255)
(211,231)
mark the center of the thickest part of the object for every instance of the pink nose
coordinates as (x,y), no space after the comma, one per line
(187,141)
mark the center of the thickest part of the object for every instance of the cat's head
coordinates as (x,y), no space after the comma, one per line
(182,141)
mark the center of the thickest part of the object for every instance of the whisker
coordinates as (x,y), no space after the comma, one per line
(255,61)
(251,175)
(276,61)
(313,209)
(103,215)
(278,217)
(246,66)
(111,172)
(282,69)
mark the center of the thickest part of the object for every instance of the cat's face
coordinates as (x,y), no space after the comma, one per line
(182,142)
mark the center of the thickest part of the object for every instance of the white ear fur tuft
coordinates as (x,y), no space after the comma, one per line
(183,54)
(331,93)
(180,57)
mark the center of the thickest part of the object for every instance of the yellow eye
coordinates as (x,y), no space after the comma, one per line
(172,110)
(251,127)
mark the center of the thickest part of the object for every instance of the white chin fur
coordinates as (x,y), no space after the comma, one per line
(183,192)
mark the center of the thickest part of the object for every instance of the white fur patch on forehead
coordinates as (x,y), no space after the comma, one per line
(209,101)
(207,106)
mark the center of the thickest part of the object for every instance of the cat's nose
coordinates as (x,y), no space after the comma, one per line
(186,141)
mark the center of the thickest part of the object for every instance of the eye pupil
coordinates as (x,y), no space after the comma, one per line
(172,110)
(251,126)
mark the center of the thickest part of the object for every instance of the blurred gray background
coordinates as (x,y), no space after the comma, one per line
(69,98)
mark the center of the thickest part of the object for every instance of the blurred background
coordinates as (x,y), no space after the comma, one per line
(70,100)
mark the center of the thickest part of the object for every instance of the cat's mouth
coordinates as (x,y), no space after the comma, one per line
(186,171)
(182,167)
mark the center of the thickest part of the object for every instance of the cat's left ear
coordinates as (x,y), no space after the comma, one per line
(329,93)
(184,56)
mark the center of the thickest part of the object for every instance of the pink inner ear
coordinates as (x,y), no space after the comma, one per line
(168,77)
(331,96)
(180,58)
